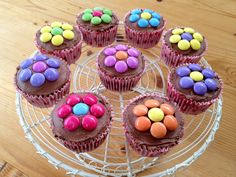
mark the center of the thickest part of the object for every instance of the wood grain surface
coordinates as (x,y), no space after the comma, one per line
(19,20)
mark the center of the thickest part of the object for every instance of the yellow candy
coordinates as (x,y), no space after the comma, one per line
(67,26)
(156,114)
(195,44)
(177,31)
(198,36)
(189,30)
(183,44)
(57,40)
(45,37)
(45,29)
(146,15)
(196,76)
(68,34)
(56,24)
(175,38)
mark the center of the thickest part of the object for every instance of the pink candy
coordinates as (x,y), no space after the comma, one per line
(39,67)
(89,122)
(97,110)
(97,13)
(73,99)
(71,123)
(64,111)
(90,99)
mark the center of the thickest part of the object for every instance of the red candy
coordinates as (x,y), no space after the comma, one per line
(89,122)
(71,123)
(64,111)
(97,13)
(73,99)
(97,110)
(90,99)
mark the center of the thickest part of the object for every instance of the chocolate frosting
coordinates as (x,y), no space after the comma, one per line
(80,134)
(145,138)
(48,87)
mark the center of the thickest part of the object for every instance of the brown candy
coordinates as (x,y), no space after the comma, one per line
(152,103)
(140,110)
(170,122)
(121,55)
(158,130)
(167,109)
(142,123)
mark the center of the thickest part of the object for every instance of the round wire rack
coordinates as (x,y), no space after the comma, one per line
(115,157)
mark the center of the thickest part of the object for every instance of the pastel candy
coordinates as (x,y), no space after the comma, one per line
(37,79)
(96,20)
(80,109)
(26,63)
(174,38)
(90,99)
(200,88)
(121,66)
(195,67)
(156,15)
(97,13)
(133,52)
(98,9)
(208,73)
(195,44)
(167,109)
(158,130)
(25,74)
(106,18)
(39,67)
(198,37)
(45,29)
(71,123)
(67,26)
(51,74)
(187,36)
(196,76)
(97,110)
(147,10)
(57,31)
(146,15)
(87,17)
(110,61)
(109,51)
(177,31)
(132,62)
(154,22)
(140,110)
(183,71)
(151,103)
(40,57)
(57,40)
(211,84)
(121,47)
(143,23)
(88,10)
(121,55)
(170,122)
(142,123)
(89,122)
(107,11)
(136,11)
(183,44)
(133,18)
(53,62)
(189,30)
(156,114)
(73,99)
(68,34)
(186,82)
(64,110)
(45,37)
(56,24)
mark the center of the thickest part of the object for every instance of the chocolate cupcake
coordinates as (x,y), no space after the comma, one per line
(152,125)
(98,26)
(143,27)
(120,67)
(61,40)
(43,80)
(182,45)
(81,121)
(193,87)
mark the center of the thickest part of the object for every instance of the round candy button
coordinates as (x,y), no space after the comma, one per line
(106,18)
(108,12)
(146,15)
(73,99)
(25,74)
(148,10)
(97,110)
(88,11)
(132,62)
(133,52)
(26,63)
(174,38)
(183,71)
(37,79)
(177,31)
(110,61)
(51,74)
(154,22)
(189,30)
(187,36)
(68,34)
(87,17)
(140,110)
(156,15)
(183,44)
(56,24)
(57,40)
(136,11)
(142,123)
(133,18)
(121,47)
(158,130)
(195,44)
(167,109)
(208,73)
(57,31)
(41,57)
(53,62)
(186,82)
(143,23)
(67,26)
(211,84)
(151,103)
(90,99)
(198,36)
(195,67)
(97,13)
(80,109)
(46,29)
(200,88)
(71,123)
(121,55)
(109,51)
(39,67)
(45,37)
(156,114)
(196,76)
(89,122)
(170,122)
(96,20)
(64,110)
(121,66)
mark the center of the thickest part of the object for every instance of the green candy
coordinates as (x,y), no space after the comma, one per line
(56,31)
(107,11)
(96,20)
(98,8)
(106,18)
(87,17)
(88,11)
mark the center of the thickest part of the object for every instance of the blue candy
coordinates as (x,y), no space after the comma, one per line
(200,88)
(53,62)
(142,23)
(195,67)
(80,109)
(211,84)
(186,82)
(154,22)
(187,36)
(183,71)
(25,74)
(51,74)
(37,79)
(26,63)
(208,73)
(133,18)
(156,15)
(136,11)
(147,10)
(40,57)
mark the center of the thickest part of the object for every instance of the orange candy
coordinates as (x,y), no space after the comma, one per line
(170,122)
(158,130)
(152,103)
(140,110)
(167,109)
(142,123)
(121,55)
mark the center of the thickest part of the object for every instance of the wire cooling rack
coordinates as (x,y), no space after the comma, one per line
(115,157)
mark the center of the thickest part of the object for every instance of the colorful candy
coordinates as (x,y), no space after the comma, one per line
(110,61)
(158,130)
(90,99)
(174,38)
(196,76)
(121,66)
(186,82)
(73,99)
(97,110)
(142,123)
(121,55)
(37,79)
(195,44)
(132,62)
(39,67)
(170,122)
(89,122)
(183,71)
(156,114)
(167,109)
(25,74)
(152,103)
(71,123)
(140,110)
(54,63)
(57,40)
(200,88)
(51,74)
(26,63)
(64,110)
(183,44)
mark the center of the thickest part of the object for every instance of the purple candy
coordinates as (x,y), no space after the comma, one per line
(132,62)
(195,67)
(186,82)
(200,88)
(211,84)
(121,66)
(109,51)
(37,79)
(51,74)
(208,73)
(110,61)
(183,71)
(26,63)
(25,74)
(187,36)
(53,62)
(39,67)
(133,52)
(121,47)
(40,57)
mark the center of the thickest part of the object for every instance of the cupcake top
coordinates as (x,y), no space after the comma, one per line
(98,19)
(186,41)
(80,116)
(58,35)
(196,82)
(153,120)
(41,74)
(121,60)
(144,20)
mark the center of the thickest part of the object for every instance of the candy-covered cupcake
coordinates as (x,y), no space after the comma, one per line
(193,87)
(182,45)
(143,27)
(81,121)
(120,67)
(43,80)
(152,125)
(61,40)
(98,25)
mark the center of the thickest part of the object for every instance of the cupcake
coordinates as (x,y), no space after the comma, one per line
(81,121)
(120,67)
(182,45)
(193,87)
(152,125)
(61,40)
(98,26)
(43,80)
(143,27)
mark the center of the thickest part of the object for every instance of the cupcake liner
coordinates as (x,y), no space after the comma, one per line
(149,150)
(173,59)
(143,39)
(186,105)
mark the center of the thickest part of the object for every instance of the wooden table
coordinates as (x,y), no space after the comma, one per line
(19,20)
